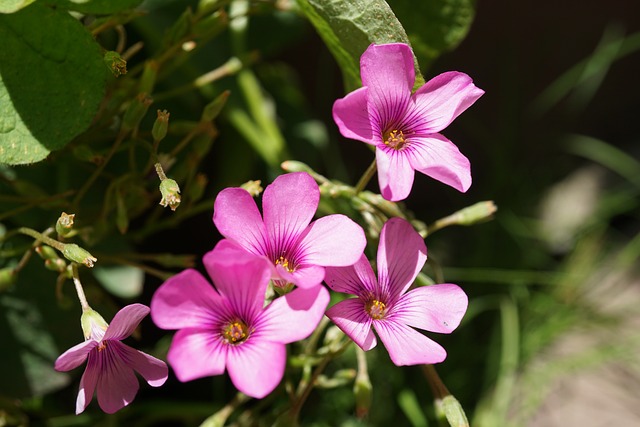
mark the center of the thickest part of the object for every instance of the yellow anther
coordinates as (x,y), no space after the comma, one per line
(285,264)
(395,139)
(235,332)
(376,309)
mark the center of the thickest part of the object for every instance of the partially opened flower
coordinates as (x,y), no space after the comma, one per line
(404,126)
(111,363)
(385,305)
(297,248)
(229,327)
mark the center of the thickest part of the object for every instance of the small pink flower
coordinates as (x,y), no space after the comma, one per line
(403,126)
(229,327)
(111,363)
(385,304)
(297,248)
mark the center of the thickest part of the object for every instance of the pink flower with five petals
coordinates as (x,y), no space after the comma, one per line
(385,305)
(404,126)
(298,249)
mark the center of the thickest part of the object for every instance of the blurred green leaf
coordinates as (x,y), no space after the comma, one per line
(122,281)
(100,7)
(52,80)
(348,28)
(412,409)
(10,6)
(434,26)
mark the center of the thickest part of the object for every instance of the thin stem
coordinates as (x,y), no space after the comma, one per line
(160,172)
(221,416)
(366,177)
(79,289)
(42,238)
(438,388)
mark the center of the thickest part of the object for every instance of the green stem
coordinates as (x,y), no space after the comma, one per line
(438,388)
(366,177)
(42,238)
(218,419)
(79,290)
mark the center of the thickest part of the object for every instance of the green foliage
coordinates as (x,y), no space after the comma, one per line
(52,80)
(100,7)
(10,6)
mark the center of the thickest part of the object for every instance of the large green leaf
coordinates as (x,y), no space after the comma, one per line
(100,7)
(10,6)
(52,79)
(434,26)
(349,27)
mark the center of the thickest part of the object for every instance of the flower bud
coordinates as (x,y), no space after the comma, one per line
(47,252)
(452,411)
(473,214)
(170,193)
(75,253)
(93,325)
(212,109)
(55,265)
(64,225)
(7,278)
(160,126)
(363,392)
(136,111)
(149,75)
(253,187)
(116,64)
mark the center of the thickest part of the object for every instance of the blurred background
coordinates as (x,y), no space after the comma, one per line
(551,336)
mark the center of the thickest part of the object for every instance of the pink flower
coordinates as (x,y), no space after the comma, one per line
(403,126)
(297,248)
(230,327)
(110,363)
(386,305)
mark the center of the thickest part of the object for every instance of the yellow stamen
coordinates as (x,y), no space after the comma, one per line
(395,139)
(236,332)
(376,309)
(102,346)
(285,264)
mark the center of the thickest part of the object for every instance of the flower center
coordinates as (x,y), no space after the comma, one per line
(376,309)
(102,346)
(285,264)
(235,332)
(395,139)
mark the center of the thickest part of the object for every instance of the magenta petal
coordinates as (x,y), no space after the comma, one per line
(357,279)
(125,322)
(87,385)
(443,98)
(351,114)
(333,240)
(237,217)
(350,317)
(401,255)
(306,276)
(75,356)
(388,72)
(117,384)
(439,158)
(406,346)
(153,370)
(395,174)
(197,353)
(256,367)
(288,205)
(436,308)
(242,279)
(186,300)
(294,316)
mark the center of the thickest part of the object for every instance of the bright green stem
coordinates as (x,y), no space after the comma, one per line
(42,238)
(79,290)
(366,177)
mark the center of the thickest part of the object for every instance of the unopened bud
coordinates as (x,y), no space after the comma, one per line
(148,78)
(253,187)
(170,193)
(116,64)
(75,253)
(47,252)
(363,393)
(136,111)
(212,109)
(452,411)
(7,278)
(64,225)
(481,211)
(57,264)
(160,126)
(93,325)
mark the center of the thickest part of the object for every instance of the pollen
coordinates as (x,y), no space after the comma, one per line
(102,346)
(235,332)
(395,139)
(285,264)
(376,309)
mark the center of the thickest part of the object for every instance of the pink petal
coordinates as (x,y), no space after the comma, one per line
(153,370)
(241,278)
(125,322)
(197,353)
(75,356)
(117,384)
(305,276)
(388,72)
(351,114)
(439,158)
(350,317)
(186,300)
(288,205)
(294,316)
(443,98)
(395,174)
(256,367)
(406,346)
(357,279)
(401,255)
(87,385)
(333,240)
(237,217)
(436,308)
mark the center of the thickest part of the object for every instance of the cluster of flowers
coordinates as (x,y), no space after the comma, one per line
(230,327)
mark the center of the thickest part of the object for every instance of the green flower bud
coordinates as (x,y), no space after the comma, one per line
(64,225)
(136,111)
(363,392)
(481,211)
(47,253)
(116,64)
(75,253)
(7,278)
(149,75)
(212,109)
(452,410)
(160,126)
(93,325)
(55,265)
(170,193)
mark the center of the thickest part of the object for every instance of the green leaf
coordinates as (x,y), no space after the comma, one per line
(348,28)
(434,26)
(52,79)
(98,7)
(10,6)
(122,281)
